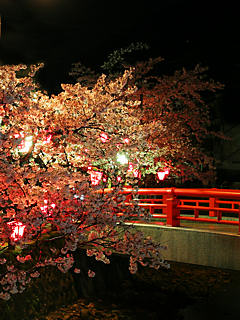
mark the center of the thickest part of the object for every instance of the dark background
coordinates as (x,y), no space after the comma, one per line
(184,32)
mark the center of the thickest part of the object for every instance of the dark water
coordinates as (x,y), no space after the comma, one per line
(185,291)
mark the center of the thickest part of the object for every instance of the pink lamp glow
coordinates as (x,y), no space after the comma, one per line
(47,139)
(126,140)
(17,230)
(104,137)
(162,174)
(95,177)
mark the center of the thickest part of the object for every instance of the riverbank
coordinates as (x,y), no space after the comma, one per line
(173,294)
(166,294)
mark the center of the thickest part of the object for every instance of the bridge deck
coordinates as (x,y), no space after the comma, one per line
(197,225)
(201,226)
(217,228)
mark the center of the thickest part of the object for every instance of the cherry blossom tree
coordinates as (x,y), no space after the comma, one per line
(58,154)
(174,108)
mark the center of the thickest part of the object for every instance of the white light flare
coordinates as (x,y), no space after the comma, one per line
(122,158)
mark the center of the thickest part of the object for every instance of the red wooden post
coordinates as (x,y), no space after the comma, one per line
(128,196)
(212,204)
(164,201)
(239,221)
(196,213)
(218,213)
(172,211)
(152,208)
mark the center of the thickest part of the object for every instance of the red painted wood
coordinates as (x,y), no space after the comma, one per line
(209,201)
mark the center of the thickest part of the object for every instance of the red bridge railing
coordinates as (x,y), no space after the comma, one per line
(173,205)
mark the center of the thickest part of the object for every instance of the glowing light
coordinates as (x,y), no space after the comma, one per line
(119,179)
(126,140)
(166,171)
(17,230)
(122,158)
(19,135)
(81,197)
(26,144)
(47,209)
(162,174)
(95,177)
(44,209)
(104,137)
(47,139)
(34,99)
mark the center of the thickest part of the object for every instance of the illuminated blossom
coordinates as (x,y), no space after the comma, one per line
(76,270)
(26,144)
(91,273)
(126,140)
(104,137)
(46,208)
(135,172)
(47,139)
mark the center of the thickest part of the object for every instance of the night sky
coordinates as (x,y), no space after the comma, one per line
(184,32)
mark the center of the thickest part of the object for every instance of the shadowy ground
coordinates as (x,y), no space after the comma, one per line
(184,291)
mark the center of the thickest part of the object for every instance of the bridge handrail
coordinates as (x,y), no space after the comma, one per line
(173,201)
(220,193)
